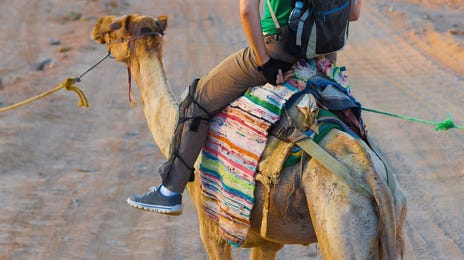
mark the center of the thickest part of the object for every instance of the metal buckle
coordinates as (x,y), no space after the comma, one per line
(273,36)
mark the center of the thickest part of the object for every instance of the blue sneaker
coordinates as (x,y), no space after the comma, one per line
(156,202)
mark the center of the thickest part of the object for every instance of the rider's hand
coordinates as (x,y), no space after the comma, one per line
(271,68)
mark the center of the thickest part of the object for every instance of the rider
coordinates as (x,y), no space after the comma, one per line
(263,61)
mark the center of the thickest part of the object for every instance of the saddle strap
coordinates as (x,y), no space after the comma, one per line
(339,169)
(266,181)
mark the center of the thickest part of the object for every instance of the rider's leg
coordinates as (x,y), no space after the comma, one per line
(220,86)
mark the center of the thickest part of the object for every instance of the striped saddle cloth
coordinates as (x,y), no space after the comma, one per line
(236,141)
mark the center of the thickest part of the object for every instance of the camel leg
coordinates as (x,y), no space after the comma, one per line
(345,222)
(261,249)
(266,250)
(215,245)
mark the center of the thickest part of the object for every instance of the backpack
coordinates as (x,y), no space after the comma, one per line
(322,28)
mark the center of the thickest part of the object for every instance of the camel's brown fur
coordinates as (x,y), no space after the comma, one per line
(322,209)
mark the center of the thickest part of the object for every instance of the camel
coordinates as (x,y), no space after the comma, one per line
(323,208)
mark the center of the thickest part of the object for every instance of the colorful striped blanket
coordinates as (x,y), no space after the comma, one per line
(237,138)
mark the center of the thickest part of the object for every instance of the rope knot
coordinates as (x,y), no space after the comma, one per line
(68,85)
(445,125)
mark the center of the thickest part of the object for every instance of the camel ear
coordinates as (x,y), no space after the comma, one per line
(104,25)
(163,21)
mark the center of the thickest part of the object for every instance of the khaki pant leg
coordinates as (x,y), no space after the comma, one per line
(225,83)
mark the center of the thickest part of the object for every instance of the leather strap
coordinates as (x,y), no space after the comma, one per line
(339,169)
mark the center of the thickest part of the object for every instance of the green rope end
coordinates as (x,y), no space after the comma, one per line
(441,126)
(446,125)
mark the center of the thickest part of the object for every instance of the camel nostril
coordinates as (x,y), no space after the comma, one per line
(145,30)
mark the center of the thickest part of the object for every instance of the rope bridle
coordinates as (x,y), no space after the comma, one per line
(160,33)
(131,44)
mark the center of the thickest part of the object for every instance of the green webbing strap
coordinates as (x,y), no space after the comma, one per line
(329,162)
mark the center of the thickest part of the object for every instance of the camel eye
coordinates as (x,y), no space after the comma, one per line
(145,30)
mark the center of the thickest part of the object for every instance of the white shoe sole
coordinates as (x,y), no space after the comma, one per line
(174,210)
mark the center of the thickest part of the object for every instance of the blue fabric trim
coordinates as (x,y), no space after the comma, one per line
(317,85)
(338,9)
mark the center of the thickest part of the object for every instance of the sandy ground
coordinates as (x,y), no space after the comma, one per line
(65,172)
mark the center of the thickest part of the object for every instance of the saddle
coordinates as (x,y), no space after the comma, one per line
(254,137)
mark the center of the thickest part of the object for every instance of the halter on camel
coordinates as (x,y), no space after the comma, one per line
(146,31)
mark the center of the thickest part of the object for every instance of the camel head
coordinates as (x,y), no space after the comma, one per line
(129,33)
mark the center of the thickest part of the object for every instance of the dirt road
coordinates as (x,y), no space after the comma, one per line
(65,172)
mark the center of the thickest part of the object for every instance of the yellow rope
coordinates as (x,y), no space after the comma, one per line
(67,84)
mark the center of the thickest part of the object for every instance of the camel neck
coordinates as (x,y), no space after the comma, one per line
(158,100)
